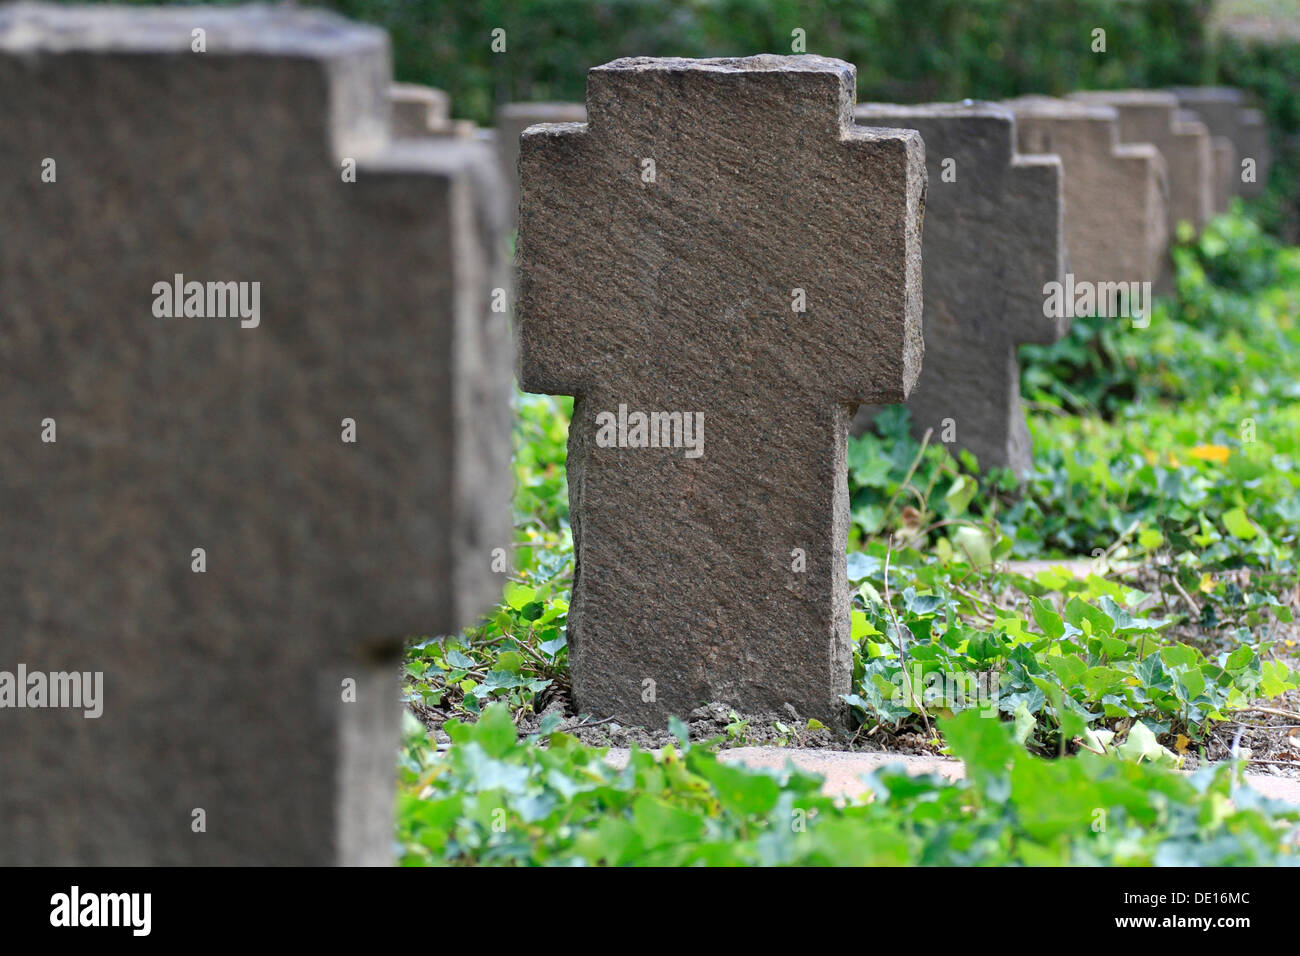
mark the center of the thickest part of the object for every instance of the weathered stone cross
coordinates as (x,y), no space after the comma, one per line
(1223,110)
(235,522)
(1151,116)
(993,240)
(719,265)
(1116,195)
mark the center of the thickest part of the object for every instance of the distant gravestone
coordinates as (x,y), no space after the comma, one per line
(1253,143)
(1223,110)
(1150,116)
(1216,106)
(511,121)
(422,111)
(1116,225)
(719,265)
(993,240)
(1224,158)
(232,501)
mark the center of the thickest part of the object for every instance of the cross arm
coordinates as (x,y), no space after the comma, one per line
(550,335)
(1036,185)
(889,166)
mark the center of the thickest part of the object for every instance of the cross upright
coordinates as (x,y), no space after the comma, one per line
(994,240)
(720,250)
(1223,165)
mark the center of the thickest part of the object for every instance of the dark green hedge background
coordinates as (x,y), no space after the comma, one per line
(905,51)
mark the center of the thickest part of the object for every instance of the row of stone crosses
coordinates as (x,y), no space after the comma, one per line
(224,530)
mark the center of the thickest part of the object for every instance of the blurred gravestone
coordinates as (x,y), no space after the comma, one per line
(1223,110)
(1224,168)
(1253,142)
(252,494)
(720,251)
(1115,195)
(1151,116)
(993,240)
(511,121)
(423,111)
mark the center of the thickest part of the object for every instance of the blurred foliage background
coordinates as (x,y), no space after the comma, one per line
(905,51)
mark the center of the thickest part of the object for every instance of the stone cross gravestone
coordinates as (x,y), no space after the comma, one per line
(1223,110)
(258,416)
(993,240)
(1150,116)
(719,265)
(1116,225)
(511,121)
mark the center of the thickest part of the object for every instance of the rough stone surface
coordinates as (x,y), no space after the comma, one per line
(993,239)
(1223,110)
(1150,116)
(223,690)
(511,121)
(1116,226)
(677,296)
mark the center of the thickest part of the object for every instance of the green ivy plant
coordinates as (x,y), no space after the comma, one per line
(493,798)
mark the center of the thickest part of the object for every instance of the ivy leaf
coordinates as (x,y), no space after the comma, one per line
(1024,723)
(959,496)
(741,792)
(1047,619)
(973,545)
(658,823)
(1077,612)
(495,731)
(921,603)
(862,566)
(1141,746)
(457,659)
(1239,526)
(519,596)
